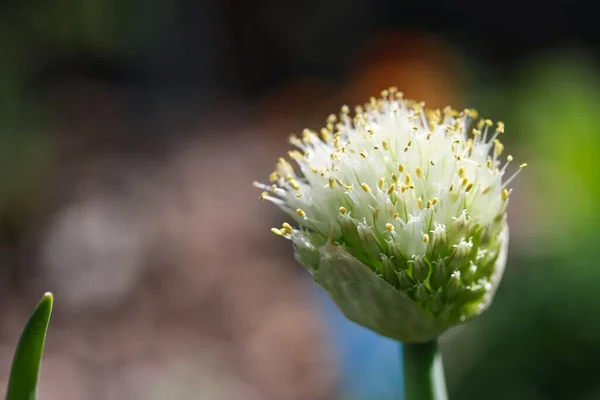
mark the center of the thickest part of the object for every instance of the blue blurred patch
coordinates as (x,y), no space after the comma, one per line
(369,364)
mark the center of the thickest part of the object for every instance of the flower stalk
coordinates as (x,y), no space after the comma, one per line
(423,371)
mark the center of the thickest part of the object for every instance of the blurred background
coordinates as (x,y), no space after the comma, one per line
(130,133)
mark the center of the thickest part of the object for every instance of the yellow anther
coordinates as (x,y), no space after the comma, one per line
(278,232)
(364,154)
(331,182)
(385,145)
(428,204)
(509,158)
(419,203)
(432,163)
(476,132)
(365,187)
(381,183)
(486,190)
(348,187)
(325,135)
(425,238)
(331,119)
(404,188)
(345,109)
(295,155)
(419,172)
(469,187)
(488,122)
(505,194)
(389,227)
(434,201)
(401,168)
(498,147)
(376,213)
(407,179)
(523,165)
(273,176)
(500,128)
(263,196)
(464,182)
(307,136)
(287,227)
(343,211)
(294,184)
(298,195)
(451,187)
(394,178)
(314,170)
(391,189)
(461,172)
(489,163)
(301,213)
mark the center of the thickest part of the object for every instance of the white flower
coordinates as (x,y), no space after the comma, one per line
(405,191)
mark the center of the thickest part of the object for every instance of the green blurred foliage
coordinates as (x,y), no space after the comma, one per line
(556,104)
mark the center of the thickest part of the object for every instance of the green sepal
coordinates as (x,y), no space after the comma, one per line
(368,300)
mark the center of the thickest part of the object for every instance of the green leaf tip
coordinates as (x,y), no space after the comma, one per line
(24,374)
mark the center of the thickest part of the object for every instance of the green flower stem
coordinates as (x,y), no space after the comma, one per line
(423,372)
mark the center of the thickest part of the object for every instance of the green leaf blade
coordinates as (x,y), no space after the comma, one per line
(24,374)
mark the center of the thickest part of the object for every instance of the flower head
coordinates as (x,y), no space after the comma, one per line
(399,213)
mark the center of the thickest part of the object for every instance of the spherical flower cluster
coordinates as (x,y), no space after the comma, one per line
(400,213)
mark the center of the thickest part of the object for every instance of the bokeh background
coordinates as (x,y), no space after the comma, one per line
(130,133)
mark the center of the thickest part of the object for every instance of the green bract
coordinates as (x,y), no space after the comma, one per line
(401,214)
